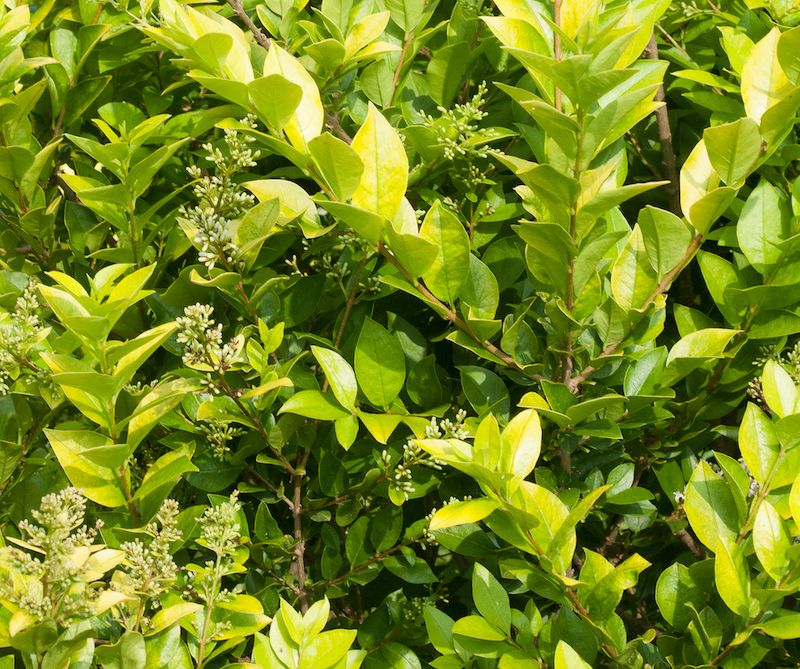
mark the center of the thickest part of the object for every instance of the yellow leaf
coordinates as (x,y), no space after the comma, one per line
(575,12)
(100,484)
(383,182)
(306,122)
(764,83)
(365,31)
(522,443)
(109,598)
(172,614)
(633,279)
(698,178)
(461,513)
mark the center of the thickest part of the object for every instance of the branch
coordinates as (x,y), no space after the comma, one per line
(332,123)
(238,9)
(665,138)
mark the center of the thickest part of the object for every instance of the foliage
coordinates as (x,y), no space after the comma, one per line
(465,331)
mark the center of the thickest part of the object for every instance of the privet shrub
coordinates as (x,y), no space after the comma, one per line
(399,333)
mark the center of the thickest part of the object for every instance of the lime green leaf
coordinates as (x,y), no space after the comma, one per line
(733,575)
(383,182)
(380,364)
(449,271)
(710,507)
(340,375)
(764,82)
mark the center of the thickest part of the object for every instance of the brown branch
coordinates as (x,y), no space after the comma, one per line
(238,9)
(691,544)
(665,138)
(333,124)
(403,53)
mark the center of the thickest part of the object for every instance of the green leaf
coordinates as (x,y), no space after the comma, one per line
(127,653)
(710,507)
(100,484)
(485,391)
(633,280)
(733,576)
(475,627)
(275,98)
(785,626)
(366,223)
(327,648)
(764,83)
(340,376)
(695,349)
(676,587)
(447,275)
(491,599)
(460,513)
(724,281)
(666,239)
(733,149)
(758,443)
(779,389)
(607,592)
(379,363)
(414,253)
(417,572)
(314,404)
(446,71)
(763,225)
(383,182)
(771,540)
(406,13)
(338,164)
(440,629)
(521,444)
(567,658)
(480,291)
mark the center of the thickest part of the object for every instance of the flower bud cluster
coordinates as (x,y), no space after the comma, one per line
(203,339)
(219,433)
(61,589)
(458,134)
(16,336)
(150,568)
(221,200)
(220,526)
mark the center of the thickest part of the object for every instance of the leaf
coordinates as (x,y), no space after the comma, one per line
(789,54)
(275,98)
(732,573)
(365,31)
(406,13)
(475,627)
(733,149)
(416,254)
(338,163)
(440,629)
(100,484)
(379,364)
(417,572)
(764,82)
(675,588)
(695,349)
(521,444)
(383,182)
(786,626)
(128,653)
(490,598)
(698,178)
(606,594)
(460,513)
(447,275)
(779,389)
(633,280)
(771,540)
(758,442)
(306,122)
(763,225)
(168,616)
(313,404)
(567,658)
(666,239)
(340,375)
(710,507)
(446,71)
(326,649)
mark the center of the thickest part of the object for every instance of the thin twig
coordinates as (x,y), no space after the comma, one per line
(238,9)
(665,138)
